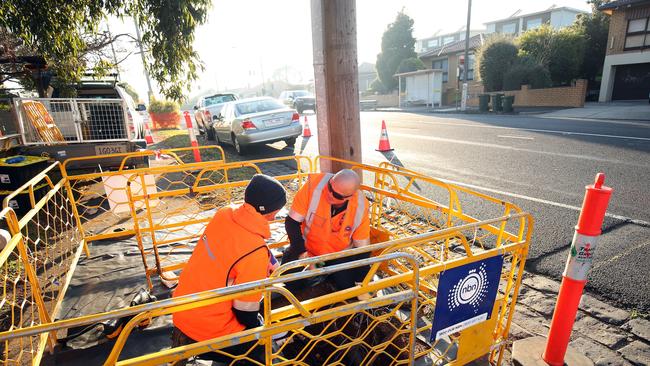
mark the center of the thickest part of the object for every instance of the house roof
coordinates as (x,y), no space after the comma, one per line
(621,3)
(525,15)
(419,72)
(453,47)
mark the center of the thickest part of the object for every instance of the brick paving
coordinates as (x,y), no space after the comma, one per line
(605,334)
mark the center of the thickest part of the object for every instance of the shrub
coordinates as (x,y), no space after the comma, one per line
(526,71)
(163,106)
(494,59)
(560,51)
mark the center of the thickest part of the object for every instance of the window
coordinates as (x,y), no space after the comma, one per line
(638,34)
(257,106)
(447,40)
(432,43)
(509,28)
(533,23)
(442,65)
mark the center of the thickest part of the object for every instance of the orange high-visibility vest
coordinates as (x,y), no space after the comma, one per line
(325,234)
(232,248)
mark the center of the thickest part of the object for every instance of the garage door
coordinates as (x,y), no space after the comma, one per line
(632,82)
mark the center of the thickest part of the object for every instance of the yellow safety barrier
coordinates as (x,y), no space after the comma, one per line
(420,227)
(171,214)
(99,197)
(36,265)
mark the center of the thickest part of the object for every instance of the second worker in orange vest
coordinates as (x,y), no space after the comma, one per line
(329,214)
(231,251)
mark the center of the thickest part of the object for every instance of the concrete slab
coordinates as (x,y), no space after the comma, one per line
(528,352)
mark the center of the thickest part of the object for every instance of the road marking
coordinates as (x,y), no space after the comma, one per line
(537,130)
(516,137)
(547,202)
(495,146)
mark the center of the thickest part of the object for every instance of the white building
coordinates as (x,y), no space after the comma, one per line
(517,23)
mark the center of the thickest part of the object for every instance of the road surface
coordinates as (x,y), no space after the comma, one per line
(542,165)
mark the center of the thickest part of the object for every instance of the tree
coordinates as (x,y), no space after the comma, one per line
(410,64)
(594,28)
(58,31)
(494,59)
(397,44)
(561,51)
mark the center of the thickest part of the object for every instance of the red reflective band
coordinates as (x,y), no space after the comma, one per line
(594,207)
(248,125)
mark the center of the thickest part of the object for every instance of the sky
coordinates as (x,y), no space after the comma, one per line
(244,41)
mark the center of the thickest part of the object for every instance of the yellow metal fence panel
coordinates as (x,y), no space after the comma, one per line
(420,226)
(36,265)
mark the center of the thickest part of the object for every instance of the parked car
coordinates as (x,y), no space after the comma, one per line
(256,120)
(300,100)
(207,108)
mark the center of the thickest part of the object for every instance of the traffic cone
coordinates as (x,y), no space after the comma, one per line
(306,132)
(384,144)
(148,137)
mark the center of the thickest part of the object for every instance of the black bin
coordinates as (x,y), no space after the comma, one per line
(21,203)
(19,169)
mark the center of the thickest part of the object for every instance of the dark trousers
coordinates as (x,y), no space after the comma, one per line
(180,339)
(341,279)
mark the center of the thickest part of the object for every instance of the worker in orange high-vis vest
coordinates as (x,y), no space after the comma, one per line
(231,251)
(329,214)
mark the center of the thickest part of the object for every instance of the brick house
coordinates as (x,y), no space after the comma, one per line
(448,59)
(626,71)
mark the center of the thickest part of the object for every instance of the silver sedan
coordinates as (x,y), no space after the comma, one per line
(256,120)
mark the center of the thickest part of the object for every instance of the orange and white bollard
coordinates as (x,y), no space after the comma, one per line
(193,142)
(577,268)
(148,137)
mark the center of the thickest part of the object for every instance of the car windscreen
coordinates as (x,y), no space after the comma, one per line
(219,99)
(301,93)
(257,106)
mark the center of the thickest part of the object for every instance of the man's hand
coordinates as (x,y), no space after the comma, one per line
(272,267)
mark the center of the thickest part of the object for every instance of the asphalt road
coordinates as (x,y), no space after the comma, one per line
(542,165)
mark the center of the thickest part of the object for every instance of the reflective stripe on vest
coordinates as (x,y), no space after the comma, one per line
(315,201)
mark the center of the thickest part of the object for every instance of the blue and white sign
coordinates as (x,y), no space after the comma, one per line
(466,296)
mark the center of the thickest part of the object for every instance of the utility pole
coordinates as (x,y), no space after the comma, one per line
(146,73)
(463,104)
(117,68)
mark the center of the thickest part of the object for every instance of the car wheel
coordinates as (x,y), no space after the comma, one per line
(241,149)
(290,142)
(210,134)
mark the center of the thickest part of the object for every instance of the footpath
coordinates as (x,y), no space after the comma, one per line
(605,334)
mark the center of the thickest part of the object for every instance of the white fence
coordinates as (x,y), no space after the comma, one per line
(80,120)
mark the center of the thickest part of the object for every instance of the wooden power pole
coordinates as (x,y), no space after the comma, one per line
(334,33)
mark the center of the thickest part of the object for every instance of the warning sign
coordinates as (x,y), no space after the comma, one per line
(466,296)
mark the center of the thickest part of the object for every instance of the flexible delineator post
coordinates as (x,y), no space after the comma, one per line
(577,268)
(193,142)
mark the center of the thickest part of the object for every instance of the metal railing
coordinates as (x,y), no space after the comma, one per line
(420,227)
(36,265)
(79,120)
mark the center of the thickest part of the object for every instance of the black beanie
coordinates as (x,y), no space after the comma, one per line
(265,193)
